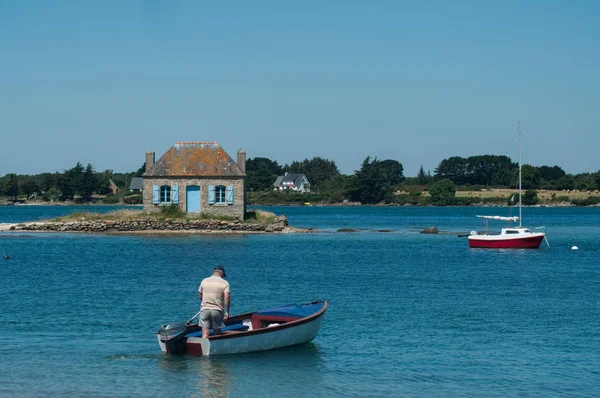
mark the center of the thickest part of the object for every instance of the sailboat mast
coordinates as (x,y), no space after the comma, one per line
(520,211)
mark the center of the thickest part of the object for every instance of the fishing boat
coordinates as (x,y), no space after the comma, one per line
(262,330)
(510,237)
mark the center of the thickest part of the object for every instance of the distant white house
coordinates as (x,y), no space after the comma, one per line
(293,182)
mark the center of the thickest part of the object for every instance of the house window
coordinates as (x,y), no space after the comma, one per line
(220,194)
(165,194)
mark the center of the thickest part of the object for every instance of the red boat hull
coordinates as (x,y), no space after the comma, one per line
(532,242)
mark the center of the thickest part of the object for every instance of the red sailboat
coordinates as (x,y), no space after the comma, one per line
(510,237)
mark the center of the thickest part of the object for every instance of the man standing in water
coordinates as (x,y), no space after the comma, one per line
(214,294)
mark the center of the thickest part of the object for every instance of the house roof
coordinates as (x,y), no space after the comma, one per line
(136,183)
(112,185)
(195,159)
(295,179)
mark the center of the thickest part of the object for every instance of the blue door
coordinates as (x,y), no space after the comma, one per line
(192,199)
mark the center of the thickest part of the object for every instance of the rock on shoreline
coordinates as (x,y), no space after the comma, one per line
(150,225)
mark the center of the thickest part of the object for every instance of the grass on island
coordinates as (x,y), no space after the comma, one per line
(260,217)
(165,213)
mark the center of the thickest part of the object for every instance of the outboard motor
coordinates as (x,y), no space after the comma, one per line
(173,336)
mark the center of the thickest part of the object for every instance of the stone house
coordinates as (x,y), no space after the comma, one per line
(114,189)
(293,182)
(199,177)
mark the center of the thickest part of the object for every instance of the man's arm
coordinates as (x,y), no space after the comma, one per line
(227,302)
(200,295)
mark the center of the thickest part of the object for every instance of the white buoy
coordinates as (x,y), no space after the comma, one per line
(574,248)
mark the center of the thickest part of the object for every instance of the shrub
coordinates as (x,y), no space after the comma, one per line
(442,192)
(208,216)
(51,194)
(283,198)
(530,198)
(172,211)
(410,198)
(111,199)
(592,200)
(133,199)
(75,216)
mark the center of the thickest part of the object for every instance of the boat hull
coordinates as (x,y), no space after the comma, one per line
(258,331)
(494,242)
(277,337)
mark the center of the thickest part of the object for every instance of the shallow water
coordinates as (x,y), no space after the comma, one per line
(409,315)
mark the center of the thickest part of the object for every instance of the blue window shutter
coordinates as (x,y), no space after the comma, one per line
(230,194)
(155,194)
(175,197)
(211,194)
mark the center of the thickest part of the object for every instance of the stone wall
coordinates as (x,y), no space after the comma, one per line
(237,209)
(150,224)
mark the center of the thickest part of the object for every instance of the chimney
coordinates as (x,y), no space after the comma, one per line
(149,160)
(241,160)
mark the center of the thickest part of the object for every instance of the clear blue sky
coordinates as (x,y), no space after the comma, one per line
(414,81)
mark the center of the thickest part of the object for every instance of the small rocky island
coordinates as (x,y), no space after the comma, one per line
(128,221)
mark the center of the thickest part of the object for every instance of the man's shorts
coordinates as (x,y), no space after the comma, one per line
(211,319)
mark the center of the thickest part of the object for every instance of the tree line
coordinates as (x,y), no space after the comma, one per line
(379,181)
(78,183)
(376,180)
(500,171)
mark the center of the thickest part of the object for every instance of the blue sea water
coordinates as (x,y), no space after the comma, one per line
(410,314)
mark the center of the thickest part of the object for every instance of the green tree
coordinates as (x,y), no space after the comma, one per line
(261,173)
(489,170)
(596,177)
(530,197)
(47,181)
(336,188)
(70,182)
(585,182)
(88,183)
(141,170)
(442,192)
(11,186)
(454,168)
(372,183)
(565,182)
(530,177)
(551,173)
(393,171)
(421,177)
(28,186)
(103,183)
(316,170)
